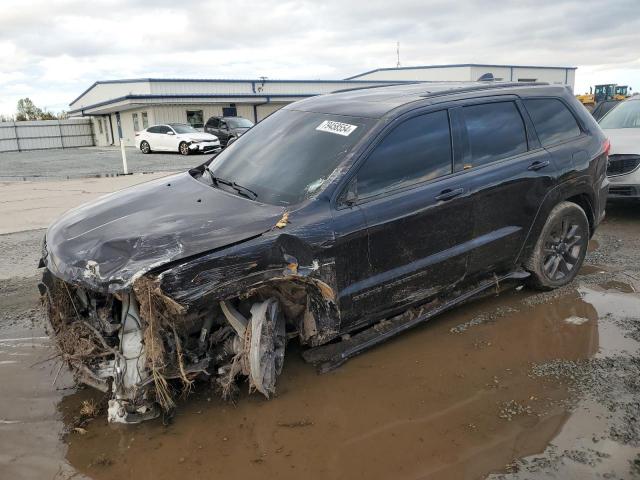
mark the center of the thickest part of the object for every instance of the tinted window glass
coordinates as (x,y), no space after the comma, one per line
(494,131)
(418,149)
(212,122)
(162,129)
(156,129)
(552,119)
(290,154)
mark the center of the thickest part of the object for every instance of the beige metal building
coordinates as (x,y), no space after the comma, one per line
(473,71)
(135,104)
(122,107)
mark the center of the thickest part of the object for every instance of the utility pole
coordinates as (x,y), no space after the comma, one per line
(398,54)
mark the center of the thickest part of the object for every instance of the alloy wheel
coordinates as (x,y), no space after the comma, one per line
(562,249)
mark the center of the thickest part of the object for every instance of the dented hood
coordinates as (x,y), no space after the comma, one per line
(107,243)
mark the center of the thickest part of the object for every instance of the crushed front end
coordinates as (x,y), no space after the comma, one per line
(143,348)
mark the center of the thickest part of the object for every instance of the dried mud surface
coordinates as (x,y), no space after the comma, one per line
(523,385)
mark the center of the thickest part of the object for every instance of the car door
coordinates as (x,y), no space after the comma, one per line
(508,175)
(168,139)
(418,218)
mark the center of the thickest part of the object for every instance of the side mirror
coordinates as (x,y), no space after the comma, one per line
(231,140)
(170,132)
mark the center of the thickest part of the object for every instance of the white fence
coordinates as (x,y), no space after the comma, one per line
(44,134)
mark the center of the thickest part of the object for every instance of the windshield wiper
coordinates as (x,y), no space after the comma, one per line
(244,191)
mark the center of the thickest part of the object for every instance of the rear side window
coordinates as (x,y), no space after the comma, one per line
(213,123)
(155,129)
(552,119)
(418,149)
(494,131)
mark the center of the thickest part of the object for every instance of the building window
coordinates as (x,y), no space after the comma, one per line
(230,111)
(194,118)
(136,125)
(145,120)
(100,126)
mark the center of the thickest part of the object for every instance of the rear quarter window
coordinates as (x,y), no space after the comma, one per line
(552,120)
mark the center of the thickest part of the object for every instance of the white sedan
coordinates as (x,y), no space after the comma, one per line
(622,126)
(175,137)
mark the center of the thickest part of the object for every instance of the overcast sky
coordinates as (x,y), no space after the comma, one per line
(51,50)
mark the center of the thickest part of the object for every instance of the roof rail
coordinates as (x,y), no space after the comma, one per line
(484,86)
(375,86)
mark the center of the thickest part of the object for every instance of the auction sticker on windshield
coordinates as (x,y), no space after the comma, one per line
(339,128)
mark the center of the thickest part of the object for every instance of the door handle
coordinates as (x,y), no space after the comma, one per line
(450,193)
(537,165)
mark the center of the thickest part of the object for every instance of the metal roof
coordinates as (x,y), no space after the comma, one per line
(425,67)
(218,80)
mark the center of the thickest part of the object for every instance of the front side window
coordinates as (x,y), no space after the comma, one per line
(552,120)
(136,125)
(213,123)
(145,120)
(417,150)
(625,115)
(288,156)
(194,118)
(494,131)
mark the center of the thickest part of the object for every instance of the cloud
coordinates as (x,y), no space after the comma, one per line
(52,50)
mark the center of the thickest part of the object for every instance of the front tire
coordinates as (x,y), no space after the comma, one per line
(145,147)
(560,248)
(183,148)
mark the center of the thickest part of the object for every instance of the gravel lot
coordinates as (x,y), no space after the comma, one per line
(89,162)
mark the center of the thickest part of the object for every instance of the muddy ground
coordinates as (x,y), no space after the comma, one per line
(520,385)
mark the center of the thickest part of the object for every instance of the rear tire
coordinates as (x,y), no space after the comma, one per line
(560,248)
(145,147)
(183,148)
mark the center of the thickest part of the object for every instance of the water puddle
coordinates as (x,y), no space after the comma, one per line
(430,404)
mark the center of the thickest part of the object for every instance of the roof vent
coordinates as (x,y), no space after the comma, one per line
(486,77)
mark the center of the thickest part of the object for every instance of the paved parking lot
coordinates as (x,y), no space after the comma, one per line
(89,162)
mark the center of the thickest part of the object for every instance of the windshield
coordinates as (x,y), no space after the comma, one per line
(286,157)
(239,122)
(625,115)
(180,128)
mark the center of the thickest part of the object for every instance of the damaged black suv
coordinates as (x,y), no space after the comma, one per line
(339,221)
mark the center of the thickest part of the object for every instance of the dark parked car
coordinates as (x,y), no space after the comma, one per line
(227,128)
(371,211)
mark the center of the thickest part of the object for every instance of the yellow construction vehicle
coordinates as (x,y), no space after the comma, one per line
(604,92)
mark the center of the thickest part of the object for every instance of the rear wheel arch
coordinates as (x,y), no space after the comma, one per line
(584,201)
(574,193)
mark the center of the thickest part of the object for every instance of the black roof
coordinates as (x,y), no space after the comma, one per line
(376,101)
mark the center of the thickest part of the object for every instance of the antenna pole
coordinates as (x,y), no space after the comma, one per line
(398,54)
